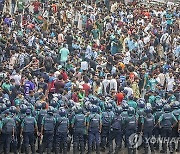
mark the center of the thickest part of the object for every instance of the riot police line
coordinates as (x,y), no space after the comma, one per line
(96,125)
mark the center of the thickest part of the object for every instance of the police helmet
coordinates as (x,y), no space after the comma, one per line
(125,107)
(38,106)
(167,108)
(175,105)
(23,108)
(141,99)
(62,112)
(148,109)
(70,103)
(7,102)
(13,109)
(131,111)
(50,110)
(93,100)
(3,107)
(78,109)
(54,102)
(159,106)
(118,110)
(86,99)
(141,104)
(124,101)
(108,106)
(94,109)
(28,111)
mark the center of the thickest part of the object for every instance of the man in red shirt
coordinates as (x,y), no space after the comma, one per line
(59,84)
(36,6)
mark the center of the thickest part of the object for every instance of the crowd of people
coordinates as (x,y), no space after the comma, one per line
(88,73)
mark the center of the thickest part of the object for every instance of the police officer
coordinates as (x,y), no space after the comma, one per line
(94,126)
(178,148)
(176,113)
(157,131)
(167,121)
(130,128)
(28,128)
(21,116)
(47,130)
(107,117)
(1,140)
(79,127)
(124,115)
(13,111)
(116,131)
(42,113)
(61,132)
(148,122)
(8,129)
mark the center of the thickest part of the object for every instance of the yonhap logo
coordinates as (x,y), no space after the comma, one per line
(135,140)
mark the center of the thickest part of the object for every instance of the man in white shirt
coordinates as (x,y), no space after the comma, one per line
(105,84)
(170,82)
(113,83)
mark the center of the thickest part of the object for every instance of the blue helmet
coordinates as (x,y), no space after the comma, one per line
(148,109)
(124,101)
(70,103)
(141,104)
(87,105)
(62,112)
(141,99)
(86,99)
(176,105)
(118,110)
(78,109)
(158,106)
(131,111)
(167,108)
(125,106)
(13,109)
(108,106)
(54,102)
(3,107)
(50,110)
(94,109)
(28,111)
(23,108)
(38,106)
(93,100)
(7,102)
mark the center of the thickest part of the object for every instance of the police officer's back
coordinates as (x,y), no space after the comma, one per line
(61,131)
(79,127)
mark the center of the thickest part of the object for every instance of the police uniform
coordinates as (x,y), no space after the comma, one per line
(29,125)
(107,117)
(166,121)
(7,127)
(42,113)
(130,128)
(116,132)
(79,130)
(47,130)
(94,124)
(148,122)
(61,132)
